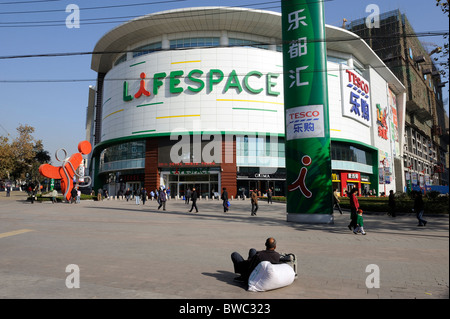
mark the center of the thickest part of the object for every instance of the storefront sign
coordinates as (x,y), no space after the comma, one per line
(352,176)
(355,97)
(305,122)
(190,171)
(308,160)
(196,82)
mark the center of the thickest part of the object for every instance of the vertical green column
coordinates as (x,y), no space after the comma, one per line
(308,160)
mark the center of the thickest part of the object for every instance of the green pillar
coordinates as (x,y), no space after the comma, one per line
(308,160)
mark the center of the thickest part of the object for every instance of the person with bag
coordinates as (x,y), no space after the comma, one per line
(224,198)
(245,267)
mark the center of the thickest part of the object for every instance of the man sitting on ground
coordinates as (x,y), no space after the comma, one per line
(246,267)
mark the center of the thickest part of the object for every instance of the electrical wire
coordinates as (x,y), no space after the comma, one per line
(93,8)
(62,54)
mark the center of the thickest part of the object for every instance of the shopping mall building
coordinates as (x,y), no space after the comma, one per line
(194,98)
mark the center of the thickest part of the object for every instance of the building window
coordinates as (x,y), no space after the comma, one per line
(122,59)
(247,43)
(146,49)
(123,156)
(194,42)
(350,153)
(336,60)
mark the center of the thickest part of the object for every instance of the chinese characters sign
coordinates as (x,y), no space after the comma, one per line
(355,97)
(308,161)
(304,122)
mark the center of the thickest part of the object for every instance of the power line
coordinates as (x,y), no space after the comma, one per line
(121,19)
(205,76)
(22,2)
(63,54)
(92,8)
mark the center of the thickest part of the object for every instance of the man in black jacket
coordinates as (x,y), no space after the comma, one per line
(194,200)
(246,267)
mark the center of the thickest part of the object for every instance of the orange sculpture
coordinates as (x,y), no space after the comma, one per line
(68,169)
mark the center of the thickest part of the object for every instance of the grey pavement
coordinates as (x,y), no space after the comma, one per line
(130,251)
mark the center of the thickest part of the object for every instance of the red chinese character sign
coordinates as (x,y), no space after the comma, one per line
(308,161)
(68,170)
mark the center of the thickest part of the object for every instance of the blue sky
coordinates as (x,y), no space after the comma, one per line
(57,109)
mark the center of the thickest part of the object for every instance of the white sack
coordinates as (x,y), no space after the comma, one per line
(267,276)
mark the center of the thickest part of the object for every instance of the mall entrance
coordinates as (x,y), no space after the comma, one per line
(205,184)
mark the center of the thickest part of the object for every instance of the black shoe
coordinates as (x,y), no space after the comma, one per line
(425,223)
(349,227)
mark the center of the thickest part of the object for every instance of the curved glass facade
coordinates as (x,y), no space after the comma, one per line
(350,153)
(124,156)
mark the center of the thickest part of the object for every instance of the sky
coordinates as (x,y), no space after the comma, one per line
(51,93)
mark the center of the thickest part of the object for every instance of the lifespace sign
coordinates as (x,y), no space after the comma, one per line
(196,82)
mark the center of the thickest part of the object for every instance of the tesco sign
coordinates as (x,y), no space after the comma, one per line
(355,97)
(305,122)
(301,115)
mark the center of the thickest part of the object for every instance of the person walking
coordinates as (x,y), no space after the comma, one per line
(194,197)
(354,206)
(391,204)
(269,196)
(254,200)
(419,208)
(162,199)
(143,195)
(336,201)
(78,195)
(127,194)
(74,197)
(359,223)
(187,197)
(137,196)
(224,198)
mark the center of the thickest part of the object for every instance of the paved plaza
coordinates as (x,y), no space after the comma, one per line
(129,251)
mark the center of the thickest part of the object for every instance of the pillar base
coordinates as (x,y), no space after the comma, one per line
(311,218)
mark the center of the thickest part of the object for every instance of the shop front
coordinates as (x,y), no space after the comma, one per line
(179,180)
(345,181)
(249,179)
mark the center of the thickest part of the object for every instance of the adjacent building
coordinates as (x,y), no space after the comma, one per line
(426,137)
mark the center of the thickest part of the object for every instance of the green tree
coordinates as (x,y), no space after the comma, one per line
(22,156)
(6,158)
